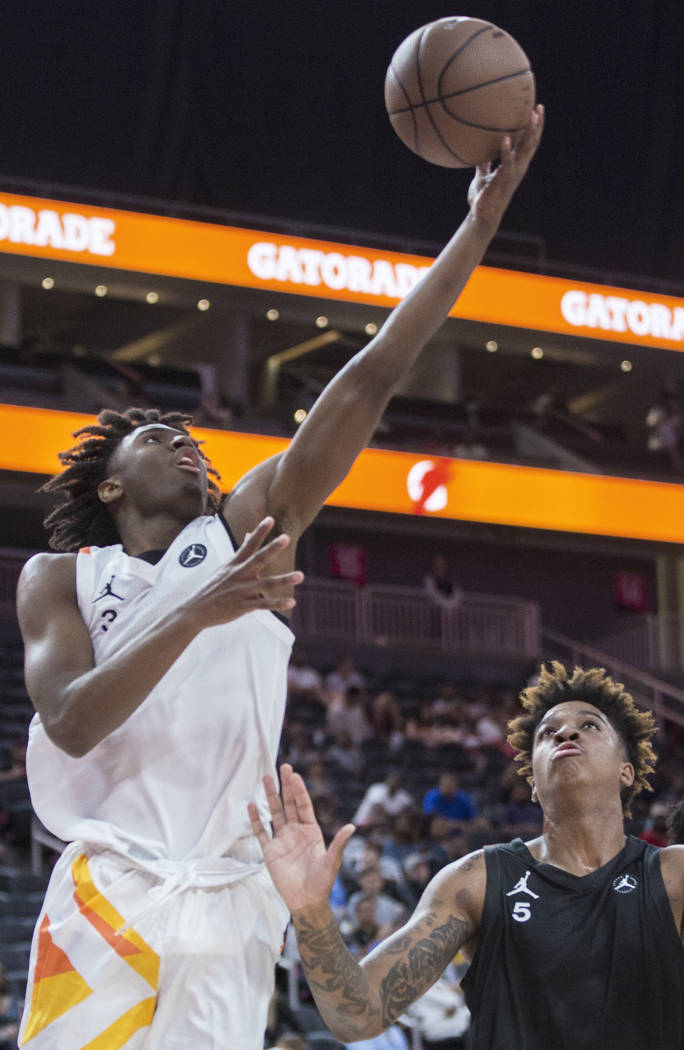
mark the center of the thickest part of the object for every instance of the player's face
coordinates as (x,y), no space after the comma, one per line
(576,746)
(157,465)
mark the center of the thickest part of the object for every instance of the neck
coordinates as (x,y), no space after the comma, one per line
(151,533)
(580,841)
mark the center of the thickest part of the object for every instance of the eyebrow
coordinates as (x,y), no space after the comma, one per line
(593,714)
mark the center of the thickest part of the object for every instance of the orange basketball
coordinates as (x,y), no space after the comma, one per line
(455,87)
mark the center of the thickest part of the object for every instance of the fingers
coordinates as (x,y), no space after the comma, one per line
(257,827)
(302,801)
(339,843)
(274,803)
(253,540)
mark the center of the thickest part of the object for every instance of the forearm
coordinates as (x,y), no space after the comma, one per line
(97,702)
(420,315)
(337,982)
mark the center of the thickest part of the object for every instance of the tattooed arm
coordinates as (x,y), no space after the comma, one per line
(359,1000)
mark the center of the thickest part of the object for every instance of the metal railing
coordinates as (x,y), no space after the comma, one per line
(392,615)
(666,701)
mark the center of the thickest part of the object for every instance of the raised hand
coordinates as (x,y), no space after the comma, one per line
(490,191)
(301,867)
(245,583)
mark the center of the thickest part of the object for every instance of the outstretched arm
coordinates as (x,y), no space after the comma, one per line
(359,1000)
(349,409)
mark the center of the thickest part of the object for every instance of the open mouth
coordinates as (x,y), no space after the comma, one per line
(188,461)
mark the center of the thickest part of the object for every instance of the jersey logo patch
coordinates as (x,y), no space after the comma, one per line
(192,555)
(108,591)
(522,887)
(625,884)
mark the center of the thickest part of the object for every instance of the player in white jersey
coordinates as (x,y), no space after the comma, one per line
(158,671)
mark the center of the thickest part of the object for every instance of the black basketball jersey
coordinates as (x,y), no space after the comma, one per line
(576,963)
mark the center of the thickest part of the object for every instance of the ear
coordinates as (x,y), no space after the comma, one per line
(627,774)
(534,792)
(110,490)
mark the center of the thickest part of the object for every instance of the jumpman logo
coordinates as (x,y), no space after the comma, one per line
(624,884)
(521,887)
(108,592)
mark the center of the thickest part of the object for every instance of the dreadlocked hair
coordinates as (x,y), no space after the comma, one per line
(80,519)
(594,686)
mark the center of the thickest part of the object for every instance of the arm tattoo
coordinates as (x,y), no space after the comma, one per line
(334,976)
(410,977)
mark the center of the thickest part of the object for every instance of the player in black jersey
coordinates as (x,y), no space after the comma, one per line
(574,938)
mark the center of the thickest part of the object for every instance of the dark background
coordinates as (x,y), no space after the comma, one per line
(277,109)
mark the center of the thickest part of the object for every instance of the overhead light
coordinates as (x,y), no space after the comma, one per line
(626,366)
(321,322)
(152,297)
(272,314)
(371,328)
(491,346)
(537,353)
(101,290)
(48,283)
(203,304)
(300,415)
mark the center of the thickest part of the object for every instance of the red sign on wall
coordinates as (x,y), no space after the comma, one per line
(348,562)
(631,591)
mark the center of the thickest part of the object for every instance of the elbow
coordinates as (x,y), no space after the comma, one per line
(71,739)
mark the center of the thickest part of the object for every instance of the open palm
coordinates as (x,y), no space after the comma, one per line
(301,867)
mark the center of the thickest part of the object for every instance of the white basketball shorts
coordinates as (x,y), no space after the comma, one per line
(125,960)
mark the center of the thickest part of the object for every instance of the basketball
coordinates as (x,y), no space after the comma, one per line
(455,87)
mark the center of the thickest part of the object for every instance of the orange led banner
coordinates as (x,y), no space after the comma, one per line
(201,251)
(402,483)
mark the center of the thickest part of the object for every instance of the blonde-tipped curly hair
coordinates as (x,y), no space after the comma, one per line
(594,686)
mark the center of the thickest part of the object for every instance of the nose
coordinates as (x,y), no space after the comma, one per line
(565,733)
(181,440)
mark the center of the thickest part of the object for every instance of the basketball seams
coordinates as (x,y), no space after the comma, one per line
(457,52)
(409,108)
(456,94)
(447,147)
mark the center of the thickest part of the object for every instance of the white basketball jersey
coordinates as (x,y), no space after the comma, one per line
(172,782)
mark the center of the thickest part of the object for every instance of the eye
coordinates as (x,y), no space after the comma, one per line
(546,730)
(590,722)
(151,437)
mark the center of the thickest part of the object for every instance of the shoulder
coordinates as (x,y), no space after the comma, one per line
(46,580)
(47,573)
(460,888)
(672,869)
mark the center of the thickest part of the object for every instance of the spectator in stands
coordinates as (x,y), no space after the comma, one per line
(675,824)
(664,424)
(364,930)
(520,817)
(387,719)
(656,831)
(343,756)
(317,781)
(298,745)
(344,676)
(10,1013)
(449,801)
(304,680)
(441,1014)
(388,911)
(404,835)
(346,714)
(418,872)
(441,586)
(389,794)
